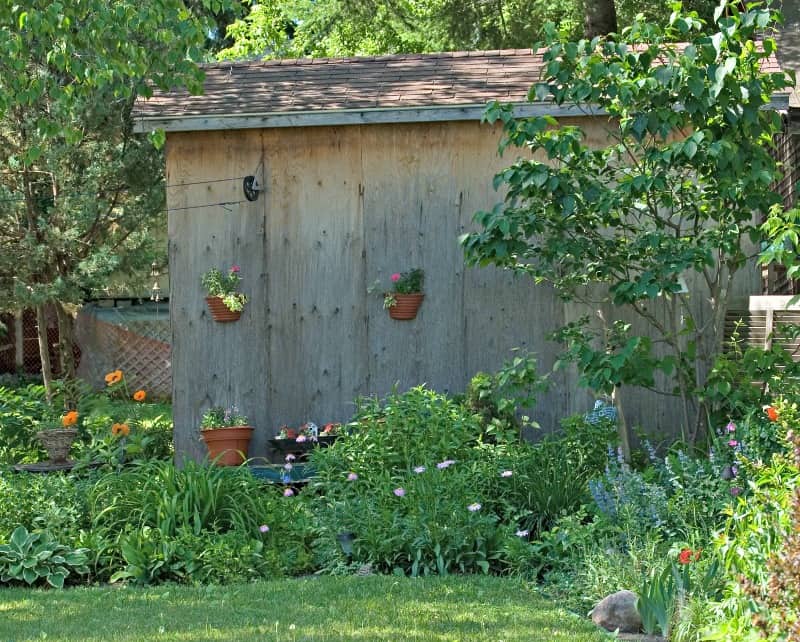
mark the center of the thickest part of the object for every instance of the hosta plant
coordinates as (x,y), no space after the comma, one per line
(34,557)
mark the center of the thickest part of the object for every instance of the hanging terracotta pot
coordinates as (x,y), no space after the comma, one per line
(227,446)
(406,306)
(220,311)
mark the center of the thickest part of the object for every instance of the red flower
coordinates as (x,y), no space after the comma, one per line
(685,556)
(772,414)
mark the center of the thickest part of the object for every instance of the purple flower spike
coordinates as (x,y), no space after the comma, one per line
(736,491)
(300,439)
(400,492)
(288,492)
(352,477)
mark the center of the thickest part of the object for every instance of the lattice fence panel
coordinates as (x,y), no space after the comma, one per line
(138,348)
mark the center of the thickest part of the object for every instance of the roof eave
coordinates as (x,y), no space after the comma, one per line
(369,116)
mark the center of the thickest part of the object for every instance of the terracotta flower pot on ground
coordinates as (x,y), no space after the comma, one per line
(227,446)
(220,311)
(57,443)
(406,306)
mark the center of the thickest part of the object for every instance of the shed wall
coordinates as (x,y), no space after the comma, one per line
(342,208)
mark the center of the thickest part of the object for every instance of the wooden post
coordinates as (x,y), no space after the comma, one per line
(44,351)
(19,341)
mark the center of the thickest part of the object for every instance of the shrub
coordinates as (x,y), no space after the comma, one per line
(498,398)
(21,410)
(54,502)
(424,491)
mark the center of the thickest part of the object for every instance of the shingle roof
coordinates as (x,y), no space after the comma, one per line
(421,80)
(397,88)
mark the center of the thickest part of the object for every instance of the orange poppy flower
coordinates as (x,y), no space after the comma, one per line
(69,419)
(772,414)
(139,395)
(114,377)
(120,430)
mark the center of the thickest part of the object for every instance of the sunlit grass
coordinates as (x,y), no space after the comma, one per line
(469,609)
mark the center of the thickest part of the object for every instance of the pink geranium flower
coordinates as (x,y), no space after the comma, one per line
(733,443)
(731,427)
(395,277)
(235,268)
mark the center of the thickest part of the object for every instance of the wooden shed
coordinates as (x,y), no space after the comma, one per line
(368,166)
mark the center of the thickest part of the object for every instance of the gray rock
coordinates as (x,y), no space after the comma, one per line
(618,612)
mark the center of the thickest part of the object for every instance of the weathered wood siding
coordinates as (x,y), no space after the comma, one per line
(344,207)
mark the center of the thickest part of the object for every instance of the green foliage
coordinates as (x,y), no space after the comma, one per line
(656,602)
(670,196)
(55,503)
(33,557)
(744,379)
(758,547)
(289,28)
(21,411)
(663,594)
(679,496)
(82,195)
(424,492)
(226,287)
(409,282)
(498,397)
(24,411)
(153,522)
(220,417)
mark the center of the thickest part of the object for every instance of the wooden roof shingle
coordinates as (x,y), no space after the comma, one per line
(392,88)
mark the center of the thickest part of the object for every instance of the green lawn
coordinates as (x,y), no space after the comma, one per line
(471,609)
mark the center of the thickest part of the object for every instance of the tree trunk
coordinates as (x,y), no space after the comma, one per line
(66,356)
(600,17)
(44,351)
(622,426)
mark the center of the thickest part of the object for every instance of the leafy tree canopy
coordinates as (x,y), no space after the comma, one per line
(78,192)
(672,198)
(292,28)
